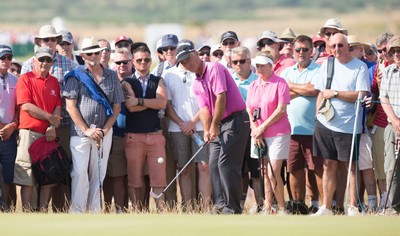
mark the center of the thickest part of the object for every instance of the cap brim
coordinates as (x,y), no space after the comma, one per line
(91,50)
(43,54)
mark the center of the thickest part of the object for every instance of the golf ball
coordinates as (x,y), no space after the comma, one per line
(160,160)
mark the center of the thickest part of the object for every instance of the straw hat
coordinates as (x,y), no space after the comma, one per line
(353,40)
(47,31)
(90,45)
(333,24)
(287,34)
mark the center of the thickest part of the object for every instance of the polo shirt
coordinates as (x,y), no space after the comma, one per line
(41,92)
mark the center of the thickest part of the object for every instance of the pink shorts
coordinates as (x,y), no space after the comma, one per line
(141,149)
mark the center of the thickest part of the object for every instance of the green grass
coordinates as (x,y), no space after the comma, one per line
(184,224)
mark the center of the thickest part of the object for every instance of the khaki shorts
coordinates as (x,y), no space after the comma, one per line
(117,162)
(23,174)
(365,155)
(378,153)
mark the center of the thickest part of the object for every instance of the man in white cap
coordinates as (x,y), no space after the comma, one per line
(48,37)
(93,98)
(269,41)
(8,126)
(204,52)
(216,53)
(38,96)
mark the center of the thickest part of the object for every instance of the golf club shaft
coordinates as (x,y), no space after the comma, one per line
(397,152)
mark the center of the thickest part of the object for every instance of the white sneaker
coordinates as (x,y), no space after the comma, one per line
(353,211)
(323,211)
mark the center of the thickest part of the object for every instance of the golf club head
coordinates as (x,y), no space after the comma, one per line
(154,195)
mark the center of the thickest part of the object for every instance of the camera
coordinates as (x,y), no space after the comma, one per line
(256,114)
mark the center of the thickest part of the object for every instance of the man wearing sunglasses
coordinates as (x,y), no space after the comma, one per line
(229,40)
(390,102)
(244,76)
(48,37)
(330,28)
(268,40)
(333,135)
(301,114)
(8,126)
(38,96)
(93,98)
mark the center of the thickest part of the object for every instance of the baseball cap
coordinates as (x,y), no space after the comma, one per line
(214,48)
(4,50)
(43,52)
(169,40)
(123,38)
(184,48)
(269,35)
(229,35)
(204,46)
(66,36)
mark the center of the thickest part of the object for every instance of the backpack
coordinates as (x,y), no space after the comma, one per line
(50,162)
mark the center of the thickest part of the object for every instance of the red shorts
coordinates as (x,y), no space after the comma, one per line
(301,155)
(141,149)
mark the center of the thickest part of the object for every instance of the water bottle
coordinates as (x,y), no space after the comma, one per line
(161,113)
(197,139)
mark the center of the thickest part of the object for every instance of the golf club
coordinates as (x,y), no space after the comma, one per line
(396,155)
(100,156)
(157,196)
(262,173)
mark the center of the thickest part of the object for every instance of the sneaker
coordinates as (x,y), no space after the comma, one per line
(312,210)
(282,212)
(353,211)
(323,211)
(388,212)
(255,209)
(337,210)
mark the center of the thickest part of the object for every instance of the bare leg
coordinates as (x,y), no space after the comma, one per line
(277,182)
(119,189)
(185,184)
(297,184)
(26,197)
(45,193)
(204,186)
(329,182)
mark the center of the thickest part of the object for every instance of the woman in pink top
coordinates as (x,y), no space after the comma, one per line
(270,94)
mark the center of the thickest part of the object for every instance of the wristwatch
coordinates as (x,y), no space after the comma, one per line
(335,93)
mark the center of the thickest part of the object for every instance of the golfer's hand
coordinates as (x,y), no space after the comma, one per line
(213,132)
(51,133)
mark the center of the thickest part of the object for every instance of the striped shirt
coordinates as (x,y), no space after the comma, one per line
(390,87)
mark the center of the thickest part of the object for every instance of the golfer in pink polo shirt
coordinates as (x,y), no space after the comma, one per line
(269,95)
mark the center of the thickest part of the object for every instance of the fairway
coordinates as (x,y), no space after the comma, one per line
(204,225)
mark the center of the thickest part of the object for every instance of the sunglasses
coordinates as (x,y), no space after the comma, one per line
(394,50)
(146,60)
(339,45)
(91,53)
(204,53)
(53,39)
(267,42)
(301,50)
(382,50)
(62,44)
(329,34)
(218,54)
(231,43)
(168,48)
(242,61)
(6,57)
(122,45)
(107,49)
(47,59)
(352,48)
(370,52)
(122,62)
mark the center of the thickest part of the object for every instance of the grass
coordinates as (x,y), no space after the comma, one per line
(186,224)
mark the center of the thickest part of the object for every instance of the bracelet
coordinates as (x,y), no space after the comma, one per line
(140,101)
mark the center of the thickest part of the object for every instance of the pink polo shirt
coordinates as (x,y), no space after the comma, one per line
(267,96)
(283,63)
(214,80)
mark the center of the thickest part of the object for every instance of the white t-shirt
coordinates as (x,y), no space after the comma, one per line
(8,98)
(180,92)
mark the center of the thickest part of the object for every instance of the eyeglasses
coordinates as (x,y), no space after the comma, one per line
(53,39)
(329,34)
(146,60)
(267,42)
(369,53)
(204,53)
(91,53)
(352,48)
(242,61)
(47,59)
(230,42)
(122,62)
(302,50)
(218,54)
(62,44)
(6,57)
(382,50)
(168,48)
(394,50)
(122,45)
(339,45)
(107,50)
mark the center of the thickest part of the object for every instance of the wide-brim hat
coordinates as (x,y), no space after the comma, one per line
(47,31)
(269,35)
(90,45)
(353,40)
(394,42)
(333,24)
(287,34)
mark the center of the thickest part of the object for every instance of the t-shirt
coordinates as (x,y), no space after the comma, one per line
(301,110)
(8,98)
(41,92)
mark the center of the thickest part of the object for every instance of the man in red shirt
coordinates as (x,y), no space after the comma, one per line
(38,97)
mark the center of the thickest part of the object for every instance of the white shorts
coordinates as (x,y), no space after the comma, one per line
(278,147)
(365,155)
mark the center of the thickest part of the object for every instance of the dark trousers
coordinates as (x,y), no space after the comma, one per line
(226,159)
